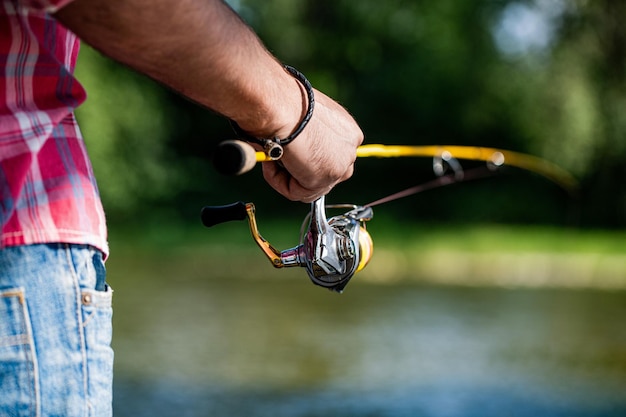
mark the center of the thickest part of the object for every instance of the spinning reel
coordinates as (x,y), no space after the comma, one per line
(331,251)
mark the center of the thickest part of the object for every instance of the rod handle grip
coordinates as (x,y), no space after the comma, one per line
(234,157)
(212,215)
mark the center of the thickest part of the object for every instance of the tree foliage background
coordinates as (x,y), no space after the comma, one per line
(545,77)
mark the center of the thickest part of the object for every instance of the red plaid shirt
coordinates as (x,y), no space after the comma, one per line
(47,189)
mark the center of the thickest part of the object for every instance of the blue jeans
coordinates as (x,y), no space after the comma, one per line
(55,332)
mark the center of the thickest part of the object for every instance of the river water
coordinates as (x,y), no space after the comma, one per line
(190,341)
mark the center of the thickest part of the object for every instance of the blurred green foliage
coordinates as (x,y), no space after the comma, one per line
(546,77)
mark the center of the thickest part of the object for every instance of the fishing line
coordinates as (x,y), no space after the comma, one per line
(448,179)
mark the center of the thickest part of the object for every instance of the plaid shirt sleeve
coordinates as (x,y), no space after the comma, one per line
(47,188)
(48,6)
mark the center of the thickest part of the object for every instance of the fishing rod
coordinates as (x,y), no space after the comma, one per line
(234,157)
(333,250)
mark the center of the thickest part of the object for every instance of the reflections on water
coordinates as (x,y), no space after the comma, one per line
(192,344)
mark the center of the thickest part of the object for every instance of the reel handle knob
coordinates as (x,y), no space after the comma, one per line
(212,215)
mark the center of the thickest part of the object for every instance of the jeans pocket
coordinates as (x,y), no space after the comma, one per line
(97,316)
(18,368)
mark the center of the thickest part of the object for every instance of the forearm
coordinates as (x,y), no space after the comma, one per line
(201,49)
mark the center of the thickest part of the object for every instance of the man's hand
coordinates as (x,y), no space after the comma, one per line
(320,157)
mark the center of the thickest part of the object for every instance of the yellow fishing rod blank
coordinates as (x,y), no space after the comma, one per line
(495,156)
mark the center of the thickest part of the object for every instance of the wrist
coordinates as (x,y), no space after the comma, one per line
(281,124)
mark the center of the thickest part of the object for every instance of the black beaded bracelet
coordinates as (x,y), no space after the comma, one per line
(274,147)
